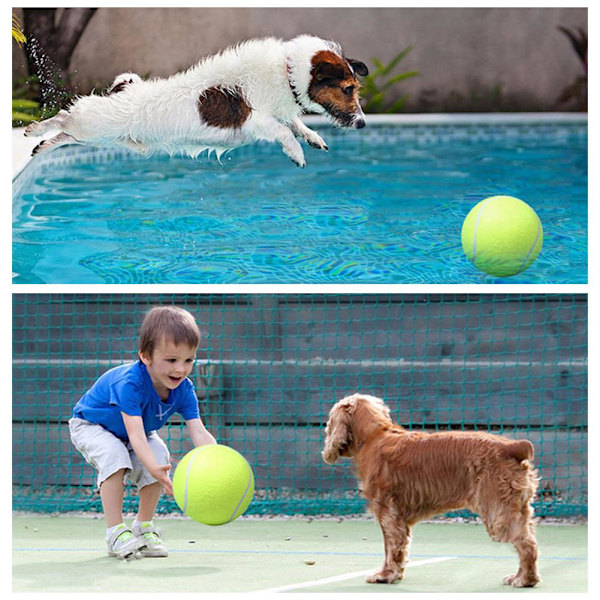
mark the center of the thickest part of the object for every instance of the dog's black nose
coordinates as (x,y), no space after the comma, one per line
(359,124)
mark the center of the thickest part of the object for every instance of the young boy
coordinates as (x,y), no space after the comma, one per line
(115,425)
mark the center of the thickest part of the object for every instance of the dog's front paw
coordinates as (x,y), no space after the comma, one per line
(293,149)
(316,141)
(384,576)
(297,158)
(520,581)
(32,129)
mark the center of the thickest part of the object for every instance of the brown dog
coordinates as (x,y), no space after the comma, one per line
(409,476)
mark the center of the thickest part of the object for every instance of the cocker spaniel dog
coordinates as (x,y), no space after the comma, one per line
(408,476)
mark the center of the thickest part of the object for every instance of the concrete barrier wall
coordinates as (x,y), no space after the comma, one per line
(468,58)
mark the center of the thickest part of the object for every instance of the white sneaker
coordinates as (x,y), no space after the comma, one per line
(123,544)
(146,533)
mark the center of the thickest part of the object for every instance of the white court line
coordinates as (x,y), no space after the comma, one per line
(316,582)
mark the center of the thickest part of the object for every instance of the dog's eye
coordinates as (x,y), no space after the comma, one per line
(348,90)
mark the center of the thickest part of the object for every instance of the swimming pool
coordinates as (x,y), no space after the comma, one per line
(384,205)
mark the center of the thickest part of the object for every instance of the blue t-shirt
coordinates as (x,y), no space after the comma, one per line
(128,388)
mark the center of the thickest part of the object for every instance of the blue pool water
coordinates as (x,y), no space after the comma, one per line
(384,205)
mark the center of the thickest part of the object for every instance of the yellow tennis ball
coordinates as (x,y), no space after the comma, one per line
(213,484)
(502,235)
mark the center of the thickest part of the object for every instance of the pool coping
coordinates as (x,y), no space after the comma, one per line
(22,146)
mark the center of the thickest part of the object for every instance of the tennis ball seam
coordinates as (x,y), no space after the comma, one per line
(187,477)
(243,498)
(481,209)
(537,237)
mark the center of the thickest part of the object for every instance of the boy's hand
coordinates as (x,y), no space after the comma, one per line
(161,474)
(199,434)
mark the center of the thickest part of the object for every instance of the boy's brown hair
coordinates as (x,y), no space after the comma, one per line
(170,323)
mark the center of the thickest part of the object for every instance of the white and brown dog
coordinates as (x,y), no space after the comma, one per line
(408,476)
(256,90)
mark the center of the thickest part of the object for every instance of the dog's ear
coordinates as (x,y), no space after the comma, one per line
(359,67)
(338,439)
(328,72)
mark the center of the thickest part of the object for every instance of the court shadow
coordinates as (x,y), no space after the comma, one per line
(104,574)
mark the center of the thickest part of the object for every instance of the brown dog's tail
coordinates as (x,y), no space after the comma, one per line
(519,450)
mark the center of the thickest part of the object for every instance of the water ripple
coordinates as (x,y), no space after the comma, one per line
(369,211)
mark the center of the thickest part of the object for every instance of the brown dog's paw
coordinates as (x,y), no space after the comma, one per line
(521,581)
(384,576)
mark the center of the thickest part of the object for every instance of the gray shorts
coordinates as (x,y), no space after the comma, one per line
(108,454)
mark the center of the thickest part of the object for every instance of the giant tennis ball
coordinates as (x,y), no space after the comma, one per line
(213,484)
(502,235)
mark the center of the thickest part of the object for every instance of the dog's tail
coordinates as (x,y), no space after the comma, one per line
(519,450)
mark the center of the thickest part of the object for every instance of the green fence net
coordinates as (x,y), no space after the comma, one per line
(270,366)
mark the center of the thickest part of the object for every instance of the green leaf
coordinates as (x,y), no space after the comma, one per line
(402,76)
(24,117)
(368,87)
(396,60)
(377,98)
(24,103)
(380,66)
(397,106)
(376,86)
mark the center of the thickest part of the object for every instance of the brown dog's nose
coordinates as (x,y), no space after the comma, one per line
(359,123)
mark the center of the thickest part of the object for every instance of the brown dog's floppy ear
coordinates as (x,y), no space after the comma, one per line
(325,71)
(338,434)
(359,67)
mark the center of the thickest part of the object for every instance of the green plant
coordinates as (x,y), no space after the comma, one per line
(24,111)
(576,92)
(43,94)
(25,107)
(17,33)
(25,104)
(377,85)
(477,98)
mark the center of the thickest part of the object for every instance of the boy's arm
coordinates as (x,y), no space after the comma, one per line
(137,437)
(199,434)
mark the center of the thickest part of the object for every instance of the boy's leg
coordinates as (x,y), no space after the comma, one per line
(111,494)
(143,527)
(121,541)
(109,456)
(149,493)
(149,496)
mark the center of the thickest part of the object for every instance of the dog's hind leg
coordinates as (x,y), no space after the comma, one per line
(526,545)
(396,536)
(41,127)
(514,524)
(58,140)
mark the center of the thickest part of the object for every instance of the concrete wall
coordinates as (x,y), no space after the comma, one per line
(468,58)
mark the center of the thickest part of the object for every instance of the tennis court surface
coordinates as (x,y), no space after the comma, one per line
(68,554)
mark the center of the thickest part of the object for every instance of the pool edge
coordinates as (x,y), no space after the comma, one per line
(22,146)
